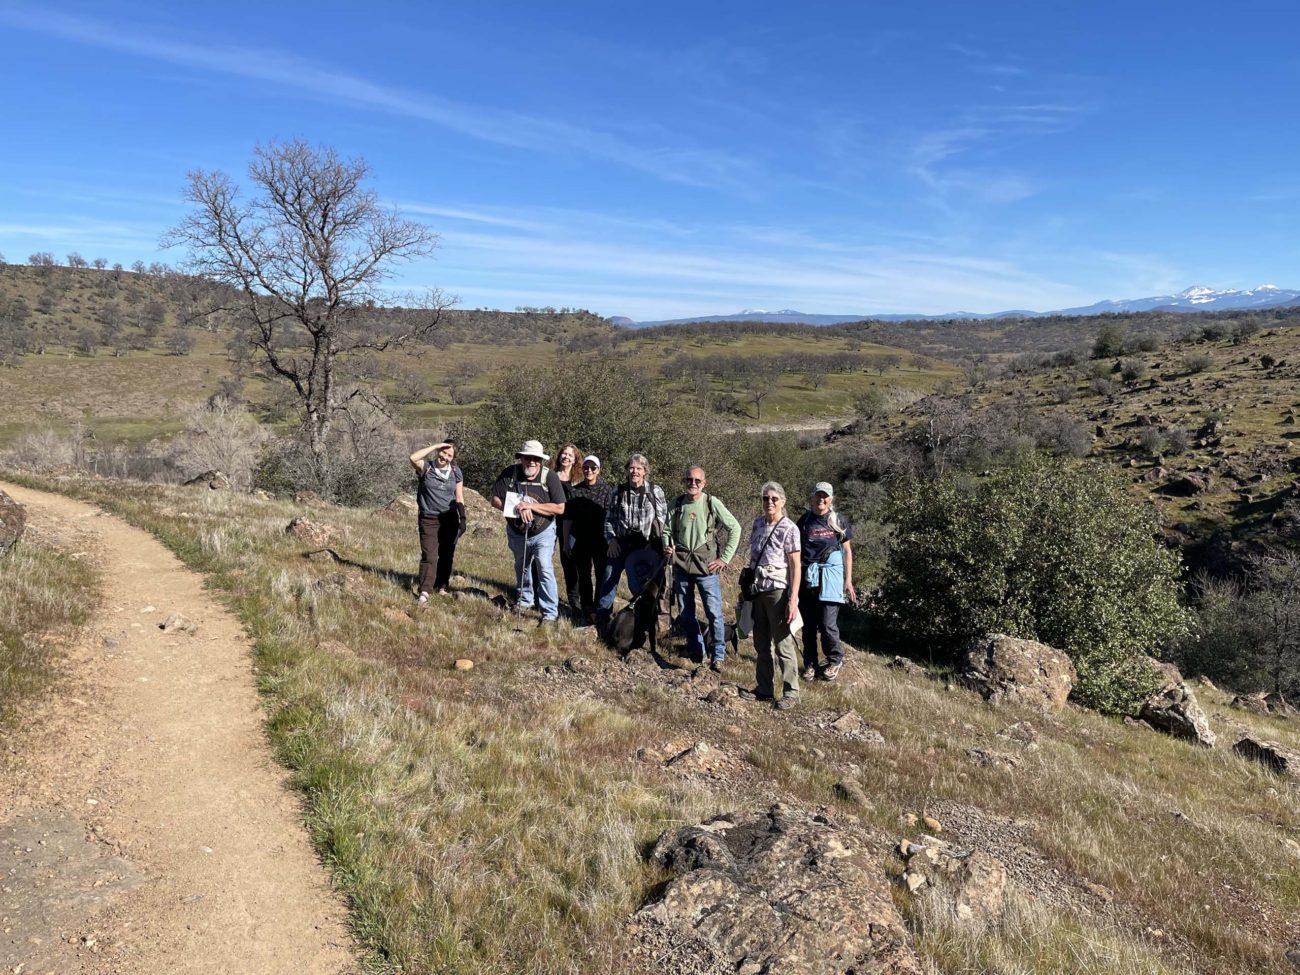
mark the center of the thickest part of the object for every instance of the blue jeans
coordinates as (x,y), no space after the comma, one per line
(614,568)
(536,553)
(710,587)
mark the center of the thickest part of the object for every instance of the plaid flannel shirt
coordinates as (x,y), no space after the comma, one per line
(641,510)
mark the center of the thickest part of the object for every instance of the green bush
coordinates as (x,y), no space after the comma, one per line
(611,410)
(1046,551)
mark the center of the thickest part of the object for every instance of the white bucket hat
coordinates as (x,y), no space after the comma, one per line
(532,448)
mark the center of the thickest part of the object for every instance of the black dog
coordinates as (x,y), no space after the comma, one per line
(639,619)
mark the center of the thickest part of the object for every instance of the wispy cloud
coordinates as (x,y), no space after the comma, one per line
(687,164)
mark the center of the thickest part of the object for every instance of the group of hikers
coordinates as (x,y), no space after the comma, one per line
(798,574)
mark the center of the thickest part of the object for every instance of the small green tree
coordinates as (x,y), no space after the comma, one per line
(1043,551)
(1111,341)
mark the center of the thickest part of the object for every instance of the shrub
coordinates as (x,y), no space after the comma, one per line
(1110,342)
(1044,551)
(1152,440)
(1132,370)
(222,436)
(1197,362)
(1177,440)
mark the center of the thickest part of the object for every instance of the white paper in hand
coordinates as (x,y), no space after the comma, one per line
(512,501)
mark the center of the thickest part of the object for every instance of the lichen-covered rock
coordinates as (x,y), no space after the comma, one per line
(784,892)
(1173,708)
(974,882)
(13,522)
(401,508)
(310,531)
(1273,756)
(1006,670)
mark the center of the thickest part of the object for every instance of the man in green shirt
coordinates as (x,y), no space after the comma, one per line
(691,545)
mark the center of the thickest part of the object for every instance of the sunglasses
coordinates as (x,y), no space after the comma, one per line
(771,499)
(692,480)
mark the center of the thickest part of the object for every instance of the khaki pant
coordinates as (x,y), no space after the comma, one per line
(778,653)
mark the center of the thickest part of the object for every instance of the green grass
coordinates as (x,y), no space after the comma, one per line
(495,820)
(46,594)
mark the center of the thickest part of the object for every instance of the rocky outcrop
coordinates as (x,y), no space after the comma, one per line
(783,891)
(212,480)
(1173,708)
(974,881)
(1275,757)
(1264,703)
(401,508)
(13,522)
(310,531)
(1023,672)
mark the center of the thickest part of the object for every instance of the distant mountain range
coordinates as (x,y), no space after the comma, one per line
(1194,299)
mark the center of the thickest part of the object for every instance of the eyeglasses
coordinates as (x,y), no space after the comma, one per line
(771,499)
(590,467)
(692,480)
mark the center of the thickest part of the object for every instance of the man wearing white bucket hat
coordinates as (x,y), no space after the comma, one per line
(530,497)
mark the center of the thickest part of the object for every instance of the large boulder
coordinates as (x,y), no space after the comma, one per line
(783,891)
(312,532)
(1173,708)
(213,480)
(1276,758)
(401,508)
(1023,672)
(1264,702)
(13,522)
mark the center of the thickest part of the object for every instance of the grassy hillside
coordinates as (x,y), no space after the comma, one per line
(497,819)
(1205,428)
(122,352)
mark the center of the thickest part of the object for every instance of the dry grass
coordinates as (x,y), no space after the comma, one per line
(45,594)
(496,820)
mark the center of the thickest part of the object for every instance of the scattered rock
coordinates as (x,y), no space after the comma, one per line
(401,508)
(464,664)
(846,723)
(781,892)
(472,592)
(323,555)
(1022,733)
(579,665)
(1274,757)
(992,759)
(1023,672)
(932,824)
(176,623)
(907,666)
(212,480)
(13,522)
(1206,683)
(1188,484)
(316,533)
(1173,708)
(723,694)
(850,790)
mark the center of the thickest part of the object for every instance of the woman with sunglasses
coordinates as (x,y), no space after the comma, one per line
(774,547)
(584,515)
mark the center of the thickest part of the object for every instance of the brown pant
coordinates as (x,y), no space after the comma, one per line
(437,548)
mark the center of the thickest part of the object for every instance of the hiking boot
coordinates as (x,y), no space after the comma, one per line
(786,703)
(715,666)
(832,670)
(422,598)
(746,694)
(808,673)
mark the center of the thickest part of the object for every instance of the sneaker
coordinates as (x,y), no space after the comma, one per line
(832,670)
(422,598)
(747,695)
(809,672)
(786,703)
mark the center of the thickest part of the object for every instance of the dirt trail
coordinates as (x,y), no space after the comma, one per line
(144,826)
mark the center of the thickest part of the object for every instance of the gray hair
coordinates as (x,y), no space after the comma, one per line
(638,459)
(686,471)
(774,487)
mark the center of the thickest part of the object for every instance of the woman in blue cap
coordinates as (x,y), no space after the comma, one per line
(827,558)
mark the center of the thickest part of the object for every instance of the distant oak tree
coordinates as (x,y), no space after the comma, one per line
(305,255)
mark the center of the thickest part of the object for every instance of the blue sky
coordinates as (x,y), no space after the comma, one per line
(671,159)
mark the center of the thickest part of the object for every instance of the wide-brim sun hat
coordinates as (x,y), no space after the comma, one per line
(532,448)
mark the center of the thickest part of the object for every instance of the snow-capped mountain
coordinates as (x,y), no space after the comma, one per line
(1193,299)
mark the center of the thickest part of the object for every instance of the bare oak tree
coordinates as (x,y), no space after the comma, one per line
(305,256)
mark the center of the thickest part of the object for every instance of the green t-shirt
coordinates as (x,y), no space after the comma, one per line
(686,528)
